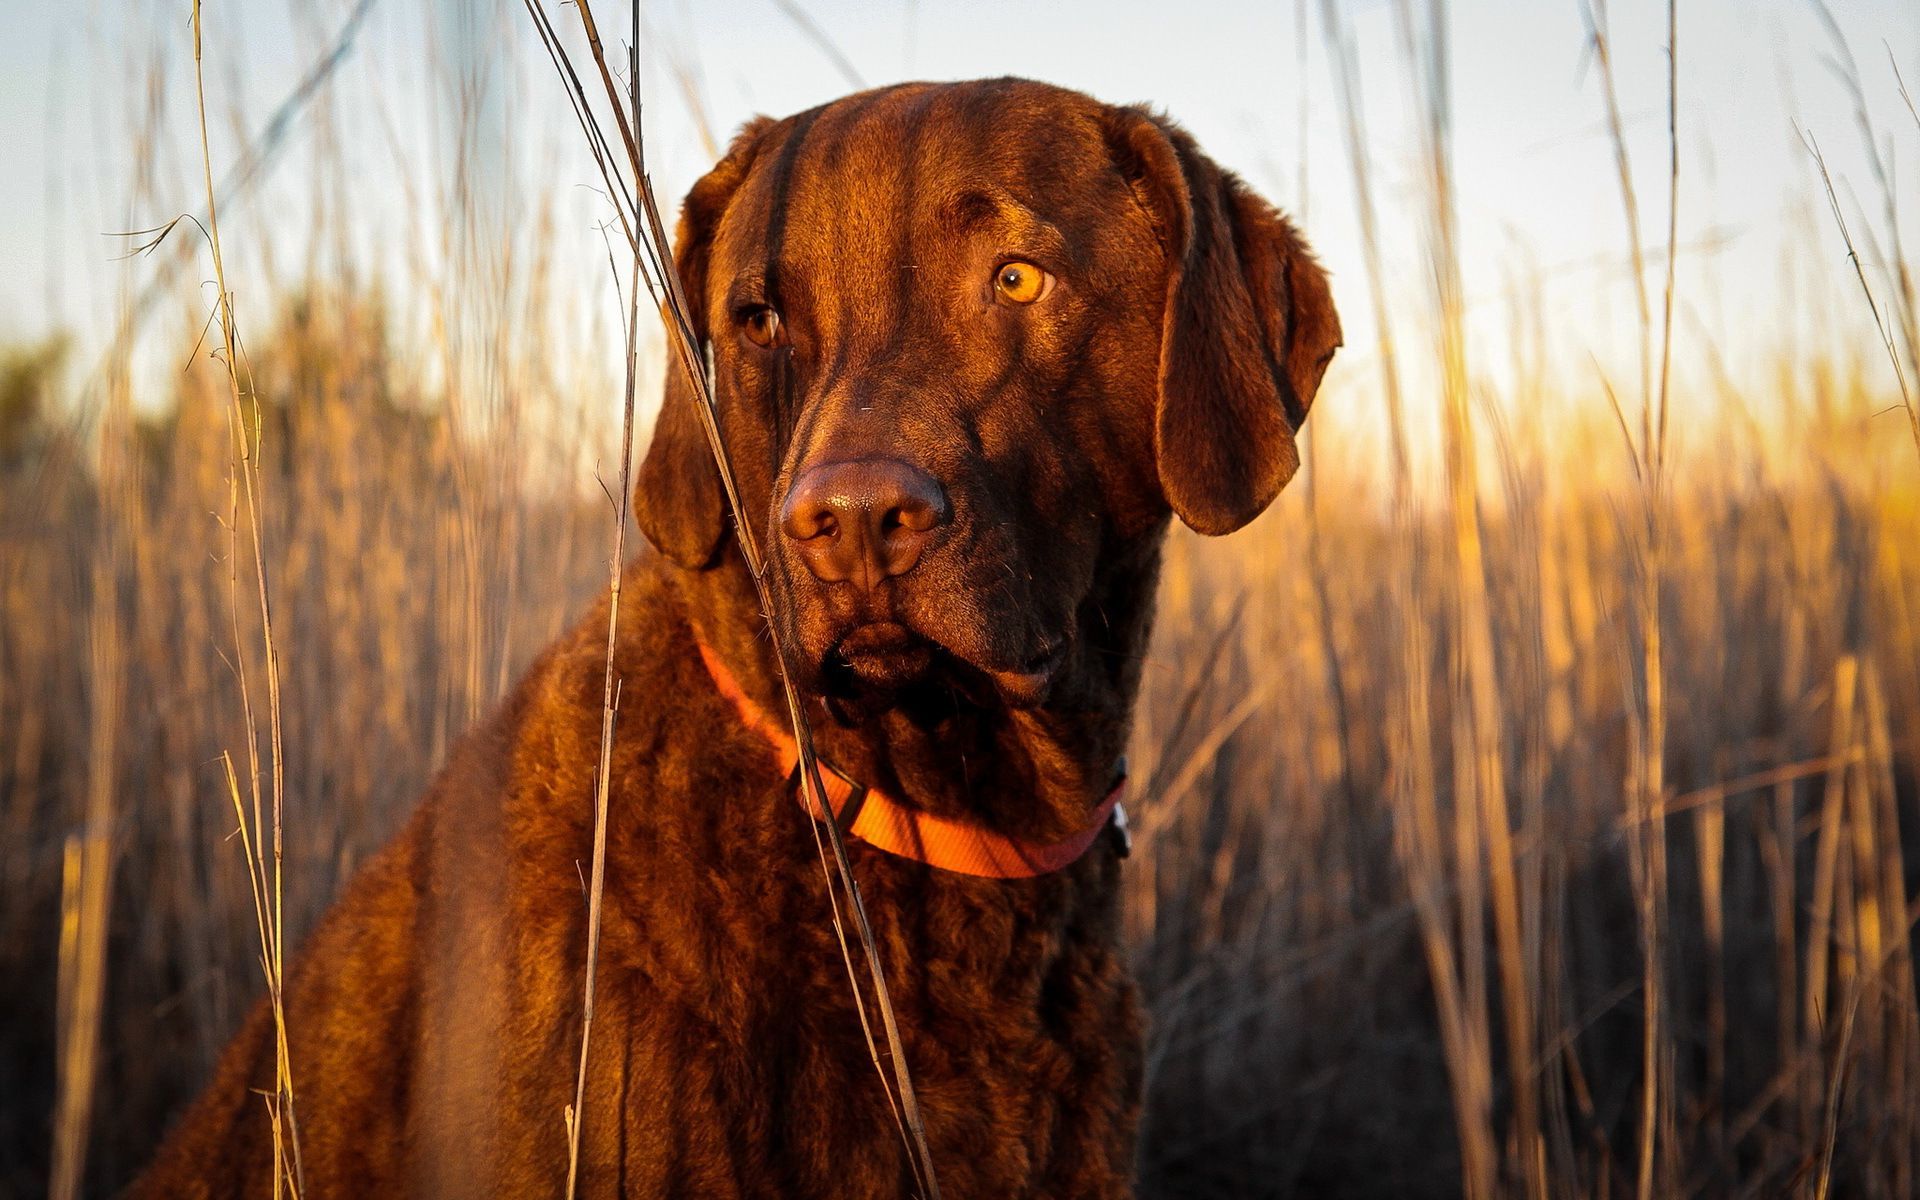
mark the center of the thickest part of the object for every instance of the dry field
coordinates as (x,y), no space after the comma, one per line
(1529,805)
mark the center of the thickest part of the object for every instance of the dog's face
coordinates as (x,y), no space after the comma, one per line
(969,341)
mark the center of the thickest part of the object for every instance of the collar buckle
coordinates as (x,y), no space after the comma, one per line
(1117,819)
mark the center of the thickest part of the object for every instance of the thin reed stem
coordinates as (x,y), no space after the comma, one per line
(663,282)
(1657,1132)
(609,707)
(287,1158)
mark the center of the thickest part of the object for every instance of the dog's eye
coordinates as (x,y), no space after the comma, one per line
(762,326)
(1021,282)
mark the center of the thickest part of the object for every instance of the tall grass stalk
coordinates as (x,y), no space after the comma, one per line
(1880,322)
(1890,240)
(245,430)
(652,248)
(1599,33)
(87,872)
(1418,837)
(609,702)
(1647,800)
(1657,1132)
(1486,865)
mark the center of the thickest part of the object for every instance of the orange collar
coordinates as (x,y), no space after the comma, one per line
(879,820)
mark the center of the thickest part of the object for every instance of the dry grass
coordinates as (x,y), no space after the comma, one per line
(1550,834)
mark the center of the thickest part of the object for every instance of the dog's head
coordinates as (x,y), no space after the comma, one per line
(970,341)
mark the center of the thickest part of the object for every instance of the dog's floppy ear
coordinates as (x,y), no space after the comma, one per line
(1248,332)
(678,502)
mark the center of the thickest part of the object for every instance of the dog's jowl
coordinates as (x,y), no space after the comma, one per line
(974,346)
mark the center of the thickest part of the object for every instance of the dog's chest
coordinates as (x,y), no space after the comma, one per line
(742,1069)
(729,1056)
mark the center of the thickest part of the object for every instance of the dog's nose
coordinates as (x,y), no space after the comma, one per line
(864,520)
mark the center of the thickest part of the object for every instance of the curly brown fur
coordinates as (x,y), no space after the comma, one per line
(435,1013)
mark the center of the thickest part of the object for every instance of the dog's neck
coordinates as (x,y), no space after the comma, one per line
(1029,773)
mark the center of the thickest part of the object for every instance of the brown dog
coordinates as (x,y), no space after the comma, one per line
(973,344)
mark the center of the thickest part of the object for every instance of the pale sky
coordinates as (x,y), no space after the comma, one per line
(1534,169)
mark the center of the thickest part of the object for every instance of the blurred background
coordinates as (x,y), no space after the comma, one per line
(1527,803)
